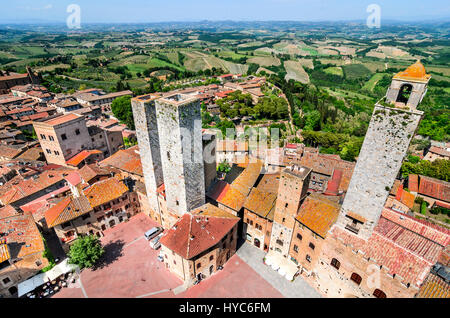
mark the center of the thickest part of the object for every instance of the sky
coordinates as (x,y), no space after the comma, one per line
(141,11)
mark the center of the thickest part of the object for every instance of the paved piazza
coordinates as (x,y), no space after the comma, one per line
(130,269)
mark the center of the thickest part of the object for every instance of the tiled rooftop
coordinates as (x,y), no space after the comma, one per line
(105,191)
(261,202)
(198,231)
(318,213)
(127,160)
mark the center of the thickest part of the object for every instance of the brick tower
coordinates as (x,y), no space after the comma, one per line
(292,190)
(391,129)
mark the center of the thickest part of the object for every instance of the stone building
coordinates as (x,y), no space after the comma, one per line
(293,188)
(21,249)
(315,217)
(9,80)
(437,284)
(62,137)
(90,210)
(199,243)
(259,209)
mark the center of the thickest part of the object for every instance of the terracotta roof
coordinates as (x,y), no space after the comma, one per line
(435,188)
(413,183)
(434,287)
(22,235)
(236,195)
(41,205)
(9,152)
(405,197)
(269,183)
(28,187)
(7,211)
(66,210)
(333,184)
(440,151)
(32,154)
(198,231)
(62,119)
(318,214)
(261,203)
(402,244)
(80,157)
(218,191)
(326,164)
(89,172)
(127,160)
(4,252)
(414,72)
(105,191)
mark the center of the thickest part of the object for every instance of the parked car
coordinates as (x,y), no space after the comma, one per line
(153,233)
(155,244)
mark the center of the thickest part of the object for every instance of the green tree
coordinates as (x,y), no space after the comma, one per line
(121,108)
(86,251)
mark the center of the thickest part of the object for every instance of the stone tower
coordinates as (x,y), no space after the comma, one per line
(387,140)
(292,190)
(180,137)
(408,88)
(144,112)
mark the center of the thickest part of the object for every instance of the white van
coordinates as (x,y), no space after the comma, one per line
(152,233)
(155,244)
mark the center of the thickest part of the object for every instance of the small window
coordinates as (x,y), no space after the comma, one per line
(77,132)
(6,281)
(308,258)
(379,293)
(48,151)
(356,278)
(335,263)
(51,138)
(63,137)
(295,248)
(43,137)
(211,257)
(286,205)
(312,246)
(299,237)
(199,265)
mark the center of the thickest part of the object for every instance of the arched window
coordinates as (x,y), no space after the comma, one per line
(405,93)
(335,263)
(356,278)
(379,293)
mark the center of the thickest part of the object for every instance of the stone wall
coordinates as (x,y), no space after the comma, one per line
(387,140)
(148,140)
(181,154)
(418,92)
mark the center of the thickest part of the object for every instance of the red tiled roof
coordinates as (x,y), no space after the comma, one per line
(219,190)
(62,119)
(22,230)
(413,183)
(105,191)
(403,245)
(405,197)
(66,210)
(194,234)
(80,157)
(435,188)
(434,287)
(127,160)
(333,184)
(89,172)
(318,214)
(7,211)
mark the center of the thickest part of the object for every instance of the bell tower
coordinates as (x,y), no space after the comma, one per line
(408,88)
(387,140)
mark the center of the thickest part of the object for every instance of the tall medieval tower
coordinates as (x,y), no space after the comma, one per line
(293,188)
(181,146)
(144,113)
(391,129)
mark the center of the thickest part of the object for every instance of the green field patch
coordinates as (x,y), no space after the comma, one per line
(334,71)
(353,71)
(370,84)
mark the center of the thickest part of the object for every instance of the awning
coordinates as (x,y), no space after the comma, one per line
(36,281)
(31,284)
(284,266)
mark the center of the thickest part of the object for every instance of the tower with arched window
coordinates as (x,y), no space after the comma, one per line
(409,87)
